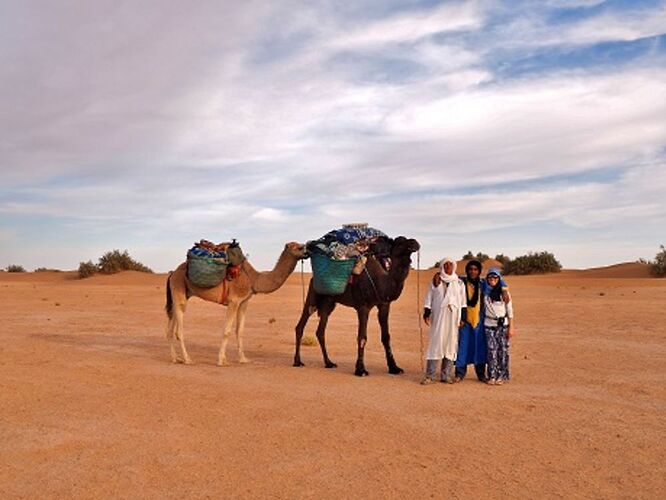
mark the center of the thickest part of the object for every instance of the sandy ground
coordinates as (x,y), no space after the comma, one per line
(91,407)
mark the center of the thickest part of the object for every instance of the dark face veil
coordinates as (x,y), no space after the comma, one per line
(476,282)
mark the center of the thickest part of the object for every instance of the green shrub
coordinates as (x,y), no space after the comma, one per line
(46,270)
(116,261)
(658,265)
(87,269)
(13,268)
(533,263)
(504,260)
(480,256)
(112,262)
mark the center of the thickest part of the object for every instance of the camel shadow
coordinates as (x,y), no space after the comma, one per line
(145,346)
(153,347)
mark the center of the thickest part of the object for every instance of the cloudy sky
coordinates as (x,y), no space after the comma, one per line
(495,126)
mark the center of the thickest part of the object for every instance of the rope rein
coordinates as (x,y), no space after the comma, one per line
(302,283)
(418,306)
(372,283)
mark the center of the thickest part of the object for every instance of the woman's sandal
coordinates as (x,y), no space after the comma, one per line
(491,381)
(427,381)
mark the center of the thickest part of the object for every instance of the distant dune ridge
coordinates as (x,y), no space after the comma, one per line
(622,270)
(635,270)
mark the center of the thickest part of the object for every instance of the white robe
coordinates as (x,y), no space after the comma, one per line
(446,304)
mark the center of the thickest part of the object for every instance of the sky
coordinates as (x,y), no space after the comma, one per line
(494,126)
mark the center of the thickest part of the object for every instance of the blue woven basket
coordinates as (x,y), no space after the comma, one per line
(205,272)
(330,276)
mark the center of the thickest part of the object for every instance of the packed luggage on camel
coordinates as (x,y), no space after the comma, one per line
(360,267)
(220,273)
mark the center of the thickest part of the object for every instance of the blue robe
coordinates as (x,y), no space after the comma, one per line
(472,347)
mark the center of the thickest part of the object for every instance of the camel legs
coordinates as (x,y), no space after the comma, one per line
(362,313)
(383,316)
(308,308)
(325,311)
(174,329)
(240,328)
(232,310)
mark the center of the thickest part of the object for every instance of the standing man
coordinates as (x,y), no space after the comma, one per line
(472,344)
(444,307)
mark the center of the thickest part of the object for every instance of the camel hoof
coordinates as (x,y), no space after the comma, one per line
(396,370)
(330,364)
(243,360)
(222,362)
(298,363)
(188,361)
(361,373)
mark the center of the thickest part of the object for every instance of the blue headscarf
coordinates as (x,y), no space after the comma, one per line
(495,293)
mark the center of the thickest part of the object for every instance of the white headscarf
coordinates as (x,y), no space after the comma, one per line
(447,278)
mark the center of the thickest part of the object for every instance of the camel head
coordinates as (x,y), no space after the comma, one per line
(296,250)
(387,250)
(403,248)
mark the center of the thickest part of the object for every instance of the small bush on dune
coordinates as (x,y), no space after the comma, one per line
(46,270)
(112,262)
(533,263)
(116,261)
(503,260)
(13,268)
(87,269)
(658,265)
(480,256)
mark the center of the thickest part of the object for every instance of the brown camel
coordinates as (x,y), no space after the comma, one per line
(375,286)
(236,296)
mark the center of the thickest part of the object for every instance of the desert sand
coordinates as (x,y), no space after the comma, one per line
(93,408)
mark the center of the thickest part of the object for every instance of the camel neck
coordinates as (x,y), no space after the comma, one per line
(269,281)
(388,284)
(397,275)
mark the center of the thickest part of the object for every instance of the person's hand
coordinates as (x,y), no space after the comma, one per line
(427,321)
(462,323)
(510,331)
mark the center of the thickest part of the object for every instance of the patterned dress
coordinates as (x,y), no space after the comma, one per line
(498,352)
(497,338)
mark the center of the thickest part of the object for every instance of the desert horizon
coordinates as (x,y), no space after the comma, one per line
(93,406)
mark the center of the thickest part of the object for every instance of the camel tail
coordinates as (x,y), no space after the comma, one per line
(169,299)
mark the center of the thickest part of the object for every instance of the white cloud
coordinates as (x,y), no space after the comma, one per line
(122,133)
(622,25)
(269,215)
(410,27)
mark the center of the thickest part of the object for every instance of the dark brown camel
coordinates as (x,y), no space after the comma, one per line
(375,286)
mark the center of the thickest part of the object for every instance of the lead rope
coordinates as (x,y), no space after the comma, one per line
(418,305)
(302,284)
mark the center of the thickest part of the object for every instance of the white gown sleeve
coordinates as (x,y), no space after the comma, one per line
(428,299)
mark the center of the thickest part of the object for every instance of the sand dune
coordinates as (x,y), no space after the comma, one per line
(623,270)
(92,407)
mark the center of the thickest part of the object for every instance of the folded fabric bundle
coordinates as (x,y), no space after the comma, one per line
(202,252)
(349,242)
(338,253)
